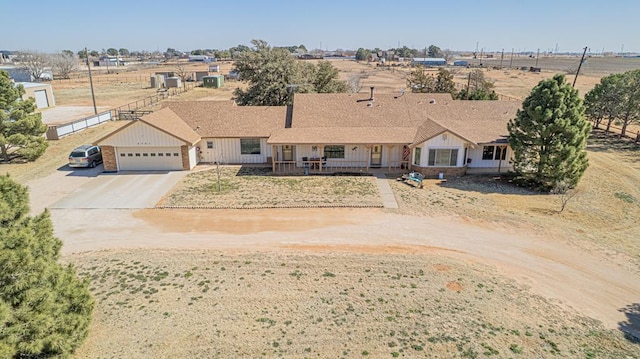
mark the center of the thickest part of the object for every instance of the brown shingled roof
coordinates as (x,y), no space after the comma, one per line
(354,110)
(166,121)
(335,116)
(225,119)
(477,121)
(169,122)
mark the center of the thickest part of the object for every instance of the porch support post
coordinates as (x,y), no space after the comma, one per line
(321,154)
(368,156)
(389,160)
(274,156)
(502,148)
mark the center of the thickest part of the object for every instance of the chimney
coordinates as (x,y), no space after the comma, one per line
(371,97)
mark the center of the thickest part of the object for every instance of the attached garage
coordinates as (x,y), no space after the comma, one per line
(152,143)
(149,158)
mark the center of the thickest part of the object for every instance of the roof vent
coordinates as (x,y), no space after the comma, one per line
(371,97)
(370,104)
(432,101)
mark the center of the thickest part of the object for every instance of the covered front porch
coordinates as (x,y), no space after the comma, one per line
(339,158)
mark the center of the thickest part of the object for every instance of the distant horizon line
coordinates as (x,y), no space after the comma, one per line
(355,50)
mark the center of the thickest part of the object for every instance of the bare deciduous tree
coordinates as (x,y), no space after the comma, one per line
(447,54)
(354,83)
(63,64)
(182,72)
(564,193)
(34,62)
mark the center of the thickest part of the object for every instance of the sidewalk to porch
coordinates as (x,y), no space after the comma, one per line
(386,194)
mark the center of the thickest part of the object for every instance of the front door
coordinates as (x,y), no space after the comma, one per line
(376,156)
(287,152)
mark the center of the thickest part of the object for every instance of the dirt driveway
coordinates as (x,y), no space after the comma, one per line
(577,280)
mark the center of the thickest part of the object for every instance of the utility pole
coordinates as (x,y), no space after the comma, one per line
(537,55)
(511,62)
(93,96)
(501,57)
(579,66)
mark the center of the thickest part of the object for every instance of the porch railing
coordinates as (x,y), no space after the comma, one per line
(329,166)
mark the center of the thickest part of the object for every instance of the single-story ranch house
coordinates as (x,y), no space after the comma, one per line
(321,133)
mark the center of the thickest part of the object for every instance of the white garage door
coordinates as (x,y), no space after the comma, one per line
(149,158)
(41,99)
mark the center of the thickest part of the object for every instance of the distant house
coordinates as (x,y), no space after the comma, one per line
(109,61)
(428,61)
(21,74)
(460,63)
(322,133)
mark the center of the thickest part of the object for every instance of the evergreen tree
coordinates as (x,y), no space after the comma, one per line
(45,311)
(326,79)
(20,127)
(363,54)
(419,81)
(444,82)
(434,51)
(549,136)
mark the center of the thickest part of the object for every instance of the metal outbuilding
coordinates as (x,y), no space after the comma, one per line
(428,61)
(215,81)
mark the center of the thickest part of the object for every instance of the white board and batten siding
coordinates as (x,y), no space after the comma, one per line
(445,140)
(193,156)
(142,147)
(478,165)
(354,155)
(141,134)
(227,151)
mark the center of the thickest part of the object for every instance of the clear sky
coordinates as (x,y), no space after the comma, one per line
(54,25)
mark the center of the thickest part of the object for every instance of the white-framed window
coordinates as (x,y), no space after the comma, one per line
(334,151)
(494,153)
(250,146)
(209,144)
(487,152)
(443,157)
(417,153)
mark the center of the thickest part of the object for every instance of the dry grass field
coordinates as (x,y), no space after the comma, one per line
(511,82)
(212,304)
(362,302)
(124,85)
(254,187)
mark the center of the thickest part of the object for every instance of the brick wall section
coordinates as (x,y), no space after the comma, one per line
(432,172)
(109,158)
(185,157)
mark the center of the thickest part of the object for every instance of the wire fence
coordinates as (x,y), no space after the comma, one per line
(130,111)
(147,102)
